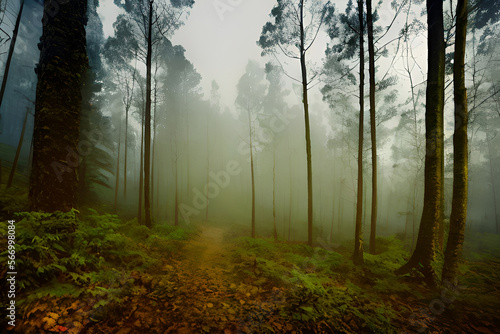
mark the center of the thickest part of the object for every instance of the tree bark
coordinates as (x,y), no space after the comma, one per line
(117,182)
(125,157)
(432,213)
(492,176)
(307,128)
(147,142)
(141,172)
(274,193)
(61,71)
(176,207)
(373,130)
(357,257)
(252,173)
(458,216)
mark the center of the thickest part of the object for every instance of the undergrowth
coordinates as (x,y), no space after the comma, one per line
(85,256)
(322,285)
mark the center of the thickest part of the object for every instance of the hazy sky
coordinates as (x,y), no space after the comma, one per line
(219,38)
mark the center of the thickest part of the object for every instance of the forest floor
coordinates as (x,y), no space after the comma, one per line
(210,279)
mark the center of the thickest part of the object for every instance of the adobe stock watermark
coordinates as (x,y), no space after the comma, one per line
(220,180)
(39,19)
(425,315)
(11,273)
(222,7)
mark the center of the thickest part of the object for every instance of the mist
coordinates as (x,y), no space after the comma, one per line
(227,142)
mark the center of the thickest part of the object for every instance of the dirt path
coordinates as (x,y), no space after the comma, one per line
(206,251)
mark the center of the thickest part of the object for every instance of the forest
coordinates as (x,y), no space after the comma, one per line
(230,166)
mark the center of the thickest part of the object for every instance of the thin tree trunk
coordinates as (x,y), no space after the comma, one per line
(208,163)
(141,172)
(424,254)
(157,211)
(18,151)
(147,142)
(125,157)
(11,52)
(176,207)
(492,175)
(460,151)
(117,182)
(357,257)
(61,72)
(274,193)
(252,173)
(371,61)
(333,217)
(307,128)
(153,212)
(290,194)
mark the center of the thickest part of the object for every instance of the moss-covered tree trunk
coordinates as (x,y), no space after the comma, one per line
(460,151)
(147,120)
(373,129)
(61,70)
(357,256)
(432,213)
(305,101)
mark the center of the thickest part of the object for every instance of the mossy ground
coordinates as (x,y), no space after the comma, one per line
(86,272)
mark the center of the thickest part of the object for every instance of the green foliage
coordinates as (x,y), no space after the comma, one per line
(12,200)
(322,285)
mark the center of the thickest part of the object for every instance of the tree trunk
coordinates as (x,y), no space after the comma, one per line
(61,71)
(208,162)
(274,193)
(141,172)
(153,144)
(307,128)
(371,61)
(11,52)
(357,257)
(176,207)
(18,151)
(460,151)
(157,196)
(333,217)
(117,182)
(492,175)
(125,157)
(252,173)
(147,142)
(424,253)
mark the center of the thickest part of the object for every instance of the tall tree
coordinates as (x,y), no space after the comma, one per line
(460,151)
(150,21)
(357,256)
(373,128)
(61,70)
(250,96)
(291,31)
(424,254)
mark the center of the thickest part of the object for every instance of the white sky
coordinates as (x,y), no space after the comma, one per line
(218,40)
(220,37)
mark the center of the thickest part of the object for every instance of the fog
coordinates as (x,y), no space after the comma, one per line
(203,121)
